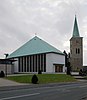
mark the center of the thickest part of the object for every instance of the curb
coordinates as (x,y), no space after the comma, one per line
(29,86)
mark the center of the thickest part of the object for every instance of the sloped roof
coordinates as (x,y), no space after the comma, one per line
(34,46)
(75,29)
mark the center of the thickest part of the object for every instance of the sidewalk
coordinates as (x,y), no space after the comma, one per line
(5,82)
(78,77)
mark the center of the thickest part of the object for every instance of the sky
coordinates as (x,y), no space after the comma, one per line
(51,20)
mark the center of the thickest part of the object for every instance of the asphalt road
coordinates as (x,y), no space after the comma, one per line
(76,91)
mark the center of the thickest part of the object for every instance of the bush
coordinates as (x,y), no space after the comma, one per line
(34,79)
(2,74)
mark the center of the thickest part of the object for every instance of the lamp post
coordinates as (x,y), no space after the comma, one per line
(6,55)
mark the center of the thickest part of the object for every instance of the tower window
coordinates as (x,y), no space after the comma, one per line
(78,51)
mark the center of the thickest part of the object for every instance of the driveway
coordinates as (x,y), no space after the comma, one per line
(5,82)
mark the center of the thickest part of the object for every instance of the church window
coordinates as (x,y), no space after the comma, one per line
(78,51)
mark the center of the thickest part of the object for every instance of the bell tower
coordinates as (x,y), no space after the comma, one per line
(76,49)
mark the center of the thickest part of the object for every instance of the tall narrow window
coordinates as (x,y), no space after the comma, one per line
(38,62)
(33,63)
(27,63)
(78,51)
(44,62)
(22,64)
(30,63)
(19,64)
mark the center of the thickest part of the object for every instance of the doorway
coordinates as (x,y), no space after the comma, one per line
(58,68)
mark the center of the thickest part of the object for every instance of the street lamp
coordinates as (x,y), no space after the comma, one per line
(6,55)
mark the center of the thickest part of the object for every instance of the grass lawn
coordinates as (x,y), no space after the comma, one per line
(43,78)
(85,77)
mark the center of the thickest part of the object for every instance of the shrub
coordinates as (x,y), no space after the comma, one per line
(2,74)
(34,79)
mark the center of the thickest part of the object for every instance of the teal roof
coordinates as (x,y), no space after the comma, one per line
(75,29)
(34,46)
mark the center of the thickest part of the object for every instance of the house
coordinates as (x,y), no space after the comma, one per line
(37,55)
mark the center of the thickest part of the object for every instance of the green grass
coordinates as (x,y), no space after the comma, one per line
(43,78)
(85,77)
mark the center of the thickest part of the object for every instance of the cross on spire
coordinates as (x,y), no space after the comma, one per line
(35,34)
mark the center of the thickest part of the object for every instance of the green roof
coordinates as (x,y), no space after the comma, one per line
(75,29)
(34,46)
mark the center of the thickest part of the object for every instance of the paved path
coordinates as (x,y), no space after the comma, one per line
(5,82)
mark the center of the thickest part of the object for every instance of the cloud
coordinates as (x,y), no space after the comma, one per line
(52,20)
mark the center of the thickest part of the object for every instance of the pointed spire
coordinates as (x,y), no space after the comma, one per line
(75,29)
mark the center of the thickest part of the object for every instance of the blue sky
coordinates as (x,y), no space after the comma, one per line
(51,20)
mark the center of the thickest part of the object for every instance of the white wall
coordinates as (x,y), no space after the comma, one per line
(53,58)
(15,65)
(9,68)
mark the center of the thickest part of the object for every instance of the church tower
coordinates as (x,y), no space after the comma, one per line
(76,49)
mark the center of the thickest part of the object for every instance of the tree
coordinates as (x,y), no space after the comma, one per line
(67,63)
(68,69)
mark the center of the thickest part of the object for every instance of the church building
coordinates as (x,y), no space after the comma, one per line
(76,49)
(37,55)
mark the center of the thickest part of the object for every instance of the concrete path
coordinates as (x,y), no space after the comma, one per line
(5,82)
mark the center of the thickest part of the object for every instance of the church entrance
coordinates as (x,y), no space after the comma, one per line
(58,68)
